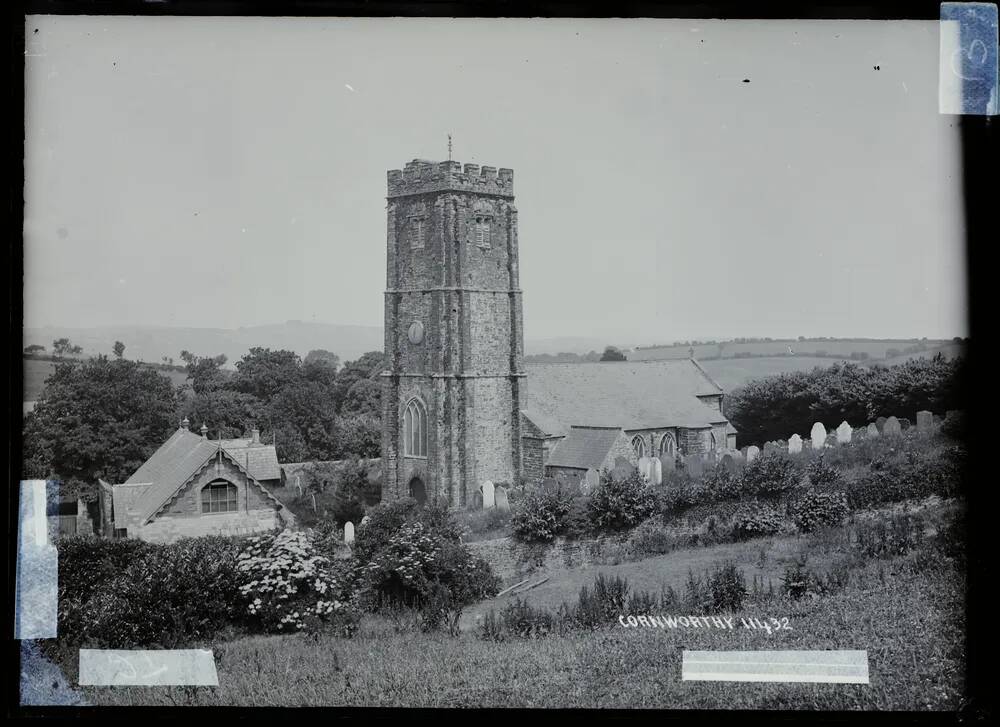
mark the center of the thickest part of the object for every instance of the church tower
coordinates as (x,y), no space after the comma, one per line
(453,341)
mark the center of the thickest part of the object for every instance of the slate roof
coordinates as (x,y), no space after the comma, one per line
(624,394)
(260,460)
(584,447)
(172,465)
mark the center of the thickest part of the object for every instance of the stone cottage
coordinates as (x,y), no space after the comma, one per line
(195,486)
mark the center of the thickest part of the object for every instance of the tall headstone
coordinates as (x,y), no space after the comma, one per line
(769,447)
(844,433)
(590,481)
(657,470)
(667,463)
(818,435)
(489,495)
(348,532)
(500,495)
(728,462)
(925,421)
(892,427)
(880,423)
(794,444)
(695,465)
(477,500)
(645,467)
(753,452)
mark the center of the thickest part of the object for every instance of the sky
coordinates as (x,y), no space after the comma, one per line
(674,179)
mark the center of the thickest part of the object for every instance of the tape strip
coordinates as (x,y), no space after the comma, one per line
(148,667)
(967,59)
(36,585)
(837,667)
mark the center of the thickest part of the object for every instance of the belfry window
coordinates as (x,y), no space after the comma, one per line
(416,233)
(482,232)
(219,496)
(415,429)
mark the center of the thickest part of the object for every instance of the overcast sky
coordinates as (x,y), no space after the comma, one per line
(223,172)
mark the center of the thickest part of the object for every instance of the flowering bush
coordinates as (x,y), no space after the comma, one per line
(817,509)
(289,587)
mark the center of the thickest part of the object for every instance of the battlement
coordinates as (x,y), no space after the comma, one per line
(422,176)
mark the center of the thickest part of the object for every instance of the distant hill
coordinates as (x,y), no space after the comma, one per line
(833,348)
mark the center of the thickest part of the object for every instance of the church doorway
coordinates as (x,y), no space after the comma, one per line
(417,491)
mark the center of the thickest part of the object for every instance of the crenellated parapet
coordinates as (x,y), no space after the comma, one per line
(421,177)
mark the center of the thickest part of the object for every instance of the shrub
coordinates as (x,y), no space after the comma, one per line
(650,537)
(754,520)
(491,628)
(822,476)
(289,586)
(600,605)
(916,475)
(817,509)
(539,516)
(621,504)
(770,476)
(886,537)
(523,620)
(721,485)
(728,588)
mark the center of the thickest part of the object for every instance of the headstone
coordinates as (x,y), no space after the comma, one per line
(646,467)
(794,444)
(623,469)
(769,447)
(477,500)
(892,427)
(590,481)
(348,532)
(728,462)
(873,430)
(657,468)
(844,433)
(501,499)
(753,452)
(818,435)
(550,485)
(880,423)
(695,465)
(925,421)
(667,463)
(489,495)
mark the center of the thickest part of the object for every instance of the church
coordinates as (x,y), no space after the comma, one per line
(459,405)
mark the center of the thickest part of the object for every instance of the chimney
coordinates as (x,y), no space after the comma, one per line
(255,436)
(185,423)
(204,431)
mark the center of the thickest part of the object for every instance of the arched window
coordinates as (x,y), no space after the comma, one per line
(639,445)
(668,445)
(415,429)
(219,496)
(712,444)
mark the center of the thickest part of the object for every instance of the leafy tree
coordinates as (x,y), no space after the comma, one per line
(227,413)
(119,349)
(368,367)
(612,353)
(63,346)
(34,349)
(263,372)
(204,373)
(359,435)
(322,356)
(98,418)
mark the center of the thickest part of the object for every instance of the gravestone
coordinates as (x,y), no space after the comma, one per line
(892,428)
(667,463)
(873,430)
(657,468)
(348,532)
(489,495)
(623,469)
(590,481)
(728,462)
(925,421)
(769,447)
(753,452)
(646,467)
(880,423)
(844,433)
(695,465)
(477,500)
(818,435)
(794,444)
(501,499)
(550,485)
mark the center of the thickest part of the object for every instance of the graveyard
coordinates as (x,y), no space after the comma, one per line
(799,532)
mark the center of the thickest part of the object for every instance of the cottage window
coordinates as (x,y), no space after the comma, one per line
(219,496)
(415,429)
(668,445)
(639,445)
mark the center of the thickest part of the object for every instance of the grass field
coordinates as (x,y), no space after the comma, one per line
(36,371)
(730,373)
(907,612)
(875,348)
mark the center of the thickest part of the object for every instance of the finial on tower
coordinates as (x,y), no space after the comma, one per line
(449,147)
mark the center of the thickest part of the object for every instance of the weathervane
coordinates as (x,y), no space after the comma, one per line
(449,147)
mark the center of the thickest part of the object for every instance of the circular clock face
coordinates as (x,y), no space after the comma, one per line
(416,332)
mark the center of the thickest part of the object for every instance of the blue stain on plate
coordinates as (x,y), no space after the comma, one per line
(968,59)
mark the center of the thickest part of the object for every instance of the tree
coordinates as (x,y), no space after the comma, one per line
(204,373)
(34,349)
(322,356)
(119,349)
(611,353)
(98,418)
(369,366)
(263,372)
(359,435)
(62,347)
